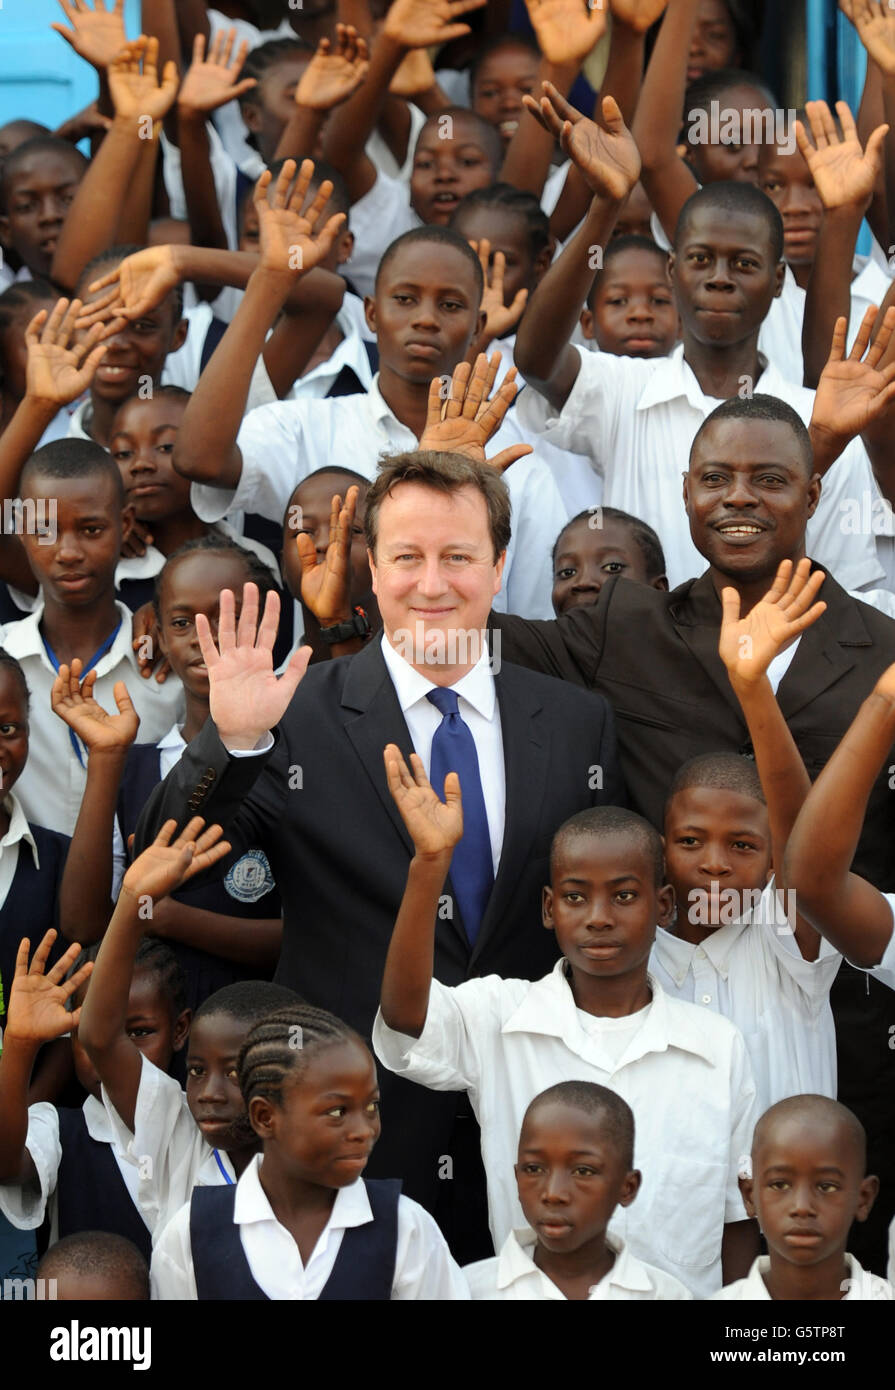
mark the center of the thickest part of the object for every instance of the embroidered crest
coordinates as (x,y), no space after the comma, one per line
(250,877)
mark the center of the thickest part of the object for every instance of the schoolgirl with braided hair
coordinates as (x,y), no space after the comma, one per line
(302,1222)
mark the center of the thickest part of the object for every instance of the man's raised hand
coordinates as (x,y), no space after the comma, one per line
(462,419)
(606,155)
(434,826)
(747,646)
(246,698)
(292,239)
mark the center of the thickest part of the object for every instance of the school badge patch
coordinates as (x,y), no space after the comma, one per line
(250,877)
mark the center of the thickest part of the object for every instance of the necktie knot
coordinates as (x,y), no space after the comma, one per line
(445,700)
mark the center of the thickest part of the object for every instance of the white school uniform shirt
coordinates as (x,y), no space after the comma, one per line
(636,419)
(26,1205)
(350,352)
(152,562)
(283,443)
(478,708)
(505,1041)
(8,276)
(424,1268)
(18,835)
(885,971)
(753,973)
(862,1286)
(780,337)
(513,1275)
(381,215)
(52,785)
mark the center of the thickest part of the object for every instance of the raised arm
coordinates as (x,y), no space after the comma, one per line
(159,870)
(334,73)
(747,647)
(97,35)
(855,392)
(609,162)
(435,827)
(666,178)
(875,24)
(843,907)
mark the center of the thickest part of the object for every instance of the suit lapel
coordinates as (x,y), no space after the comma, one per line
(826,651)
(697,621)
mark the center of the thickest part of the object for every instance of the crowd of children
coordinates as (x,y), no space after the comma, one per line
(325,348)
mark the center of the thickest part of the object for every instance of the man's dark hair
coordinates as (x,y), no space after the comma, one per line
(761,407)
(446,473)
(72,458)
(100,1253)
(724,771)
(737,200)
(435,236)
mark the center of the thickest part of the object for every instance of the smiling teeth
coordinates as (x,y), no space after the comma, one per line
(741,530)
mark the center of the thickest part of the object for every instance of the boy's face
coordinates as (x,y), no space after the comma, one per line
(193,584)
(588,556)
(136,354)
(314,499)
(634,313)
(272,103)
(506,232)
(787,181)
(142,444)
(13,730)
(713,41)
(724,276)
(501,81)
(807,1187)
(715,841)
(446,169)
(39,192)
(636,212)
(77,566)
(212,1085)
(425,311)
(604,905)
(150,1026)
(712,162)
(749,496)
(328,1122)
(570,1177)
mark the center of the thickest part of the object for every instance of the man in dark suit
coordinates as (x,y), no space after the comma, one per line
(749,492)
(314,794)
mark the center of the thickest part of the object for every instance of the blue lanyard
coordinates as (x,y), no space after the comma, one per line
(88,666)
(217,1159)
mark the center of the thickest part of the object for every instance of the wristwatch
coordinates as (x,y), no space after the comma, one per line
(358,625)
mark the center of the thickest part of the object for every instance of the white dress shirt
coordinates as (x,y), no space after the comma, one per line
(19,833)
(424,1268)
(885,971)
(377,219)
(753,973)
(513,1275)
(636,420)
(281,444)
(862,1286)
(26,1205)
(52,786)
(505,1041)
(478,708)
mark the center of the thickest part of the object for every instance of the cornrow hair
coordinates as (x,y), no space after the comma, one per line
(643,535)
(266,56)
(503,197)
(114,255)
(9,663)
(156,958)
(278,1047)
(214,543)
(24,294)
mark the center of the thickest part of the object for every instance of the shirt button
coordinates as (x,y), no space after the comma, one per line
(706,999)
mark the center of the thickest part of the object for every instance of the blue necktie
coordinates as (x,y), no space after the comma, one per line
(472,867)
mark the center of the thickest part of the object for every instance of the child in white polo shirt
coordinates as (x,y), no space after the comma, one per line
(576,1156)
(808,1183)
(598,1015)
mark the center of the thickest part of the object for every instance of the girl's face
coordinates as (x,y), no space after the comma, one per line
(634,313)
(272,103)
(151,1027)
(142,444)
(508,233)
(445,170)
(13,730)
(713,43)
(325,1130)
(192,585)
(212,1082)
(135,354)
(734,160)
(502,80)
(587,556)
(309,511)
(14,350)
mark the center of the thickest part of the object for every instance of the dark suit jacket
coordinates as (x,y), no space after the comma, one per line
(320,807)
(655,657)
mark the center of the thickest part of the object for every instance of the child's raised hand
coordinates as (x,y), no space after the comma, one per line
(854,390)
(325,584)
(135,287)
(292,240)
(99,731)
(36,1011)
(608,158)
(747,646)
(167,863)
(500,318)
(566,30)
(97,35)
(435,826)
(875,23)
(638,15)
(134,81)
(461,418)
(422,23)
(334,72)
(60,367)
(212,82)
(844,174)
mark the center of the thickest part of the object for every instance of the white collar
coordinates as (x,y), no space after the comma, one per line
(173,739)
(99,1126)
(411,686)
(516,1261)
(19,829)
(673,377)
(548,1009)
(754,1286)
(145,566)
(677,955)
(22,639)
(351,1207)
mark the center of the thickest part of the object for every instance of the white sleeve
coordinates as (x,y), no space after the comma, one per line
(424,1267)
(376,219)
(837,536)
(538,516)
(744,1115)
(273,463)
(119,859)
(447,1056)
(171,1274)
(781,953)
(885,971)
(25,1204)
(224,173)
(587,422)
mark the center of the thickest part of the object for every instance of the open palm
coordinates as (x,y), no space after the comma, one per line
(134,81)
(608,158)
(420,23)
(748,645)
(464,420)
(212,82)
(74,703)
(333,73)
(37,1000)
(639,15)
(435,826)
(844,174)
(96,35)
(135,287)
(58,369)
(168,862)
(566,30)
(875,24)
(853,391)
(291,239)
(325,583)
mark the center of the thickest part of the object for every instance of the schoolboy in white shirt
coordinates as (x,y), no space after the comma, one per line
(598,1012)
(576,1155)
